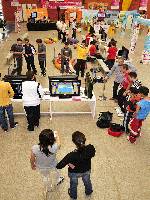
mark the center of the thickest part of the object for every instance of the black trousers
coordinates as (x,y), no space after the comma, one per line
(80,67)
(33,116)
(64,62)
(42,64)
(64,37)
(59,34)
(110,63)
(30,63)
(18,69)
(122,100)
(74,33)
(115,89)
(127,117)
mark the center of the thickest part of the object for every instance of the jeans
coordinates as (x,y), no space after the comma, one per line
(80,67)
(42,64)
(110,63)
(30,63)
(18,68)
(74,183)
(115,89)
(3,119)
(33,116)
(66,63)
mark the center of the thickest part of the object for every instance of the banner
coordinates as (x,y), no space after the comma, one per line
(146,52)
(115,4)
(143,5)
(126,4)
(87,15)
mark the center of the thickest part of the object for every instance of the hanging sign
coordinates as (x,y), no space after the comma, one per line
(115,4)
(143,5)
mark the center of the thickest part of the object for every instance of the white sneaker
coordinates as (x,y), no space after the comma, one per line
(60,180)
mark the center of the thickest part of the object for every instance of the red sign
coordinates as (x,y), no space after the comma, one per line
(55,4)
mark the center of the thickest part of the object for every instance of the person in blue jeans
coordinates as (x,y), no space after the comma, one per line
(79,162)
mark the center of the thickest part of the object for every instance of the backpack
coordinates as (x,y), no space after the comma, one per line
(104,119)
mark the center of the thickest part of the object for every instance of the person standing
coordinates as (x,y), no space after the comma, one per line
(79,162)
(59,29)
(43,155)
(63,29)
(66,55)
(29,55)
(112,52)
(6,93)
(17,50)
(32,92)
(74,28)
(82,52)
(42,56)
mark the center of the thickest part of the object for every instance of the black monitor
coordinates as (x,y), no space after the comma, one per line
(16,84)
(34,15)
(64,87)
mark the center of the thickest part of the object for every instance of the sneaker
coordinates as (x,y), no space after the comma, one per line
(15,125)
(133,142)
(120,114)
(70,195)
(30,129)
(89,194)
(5,130)
(61,179)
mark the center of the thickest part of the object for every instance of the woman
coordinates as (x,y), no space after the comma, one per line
(43,155)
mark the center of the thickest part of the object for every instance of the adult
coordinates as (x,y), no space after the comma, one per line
(42,56)
(82,52)
(43,155)
(59,28)
(79,162)
(74,28)
(63,29)
(17,50)
(116,69)
(29,55)
(6,93)
(66,55)
(32,92)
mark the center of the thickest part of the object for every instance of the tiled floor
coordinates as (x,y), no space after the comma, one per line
(120,170)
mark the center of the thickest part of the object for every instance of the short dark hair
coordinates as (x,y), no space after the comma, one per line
(83,42)
(66,43)
(30,75)
(134,90)
(113,43)
(125,66)
(144,90)
(39,41)
(133,74)
(78,139)
(19,39)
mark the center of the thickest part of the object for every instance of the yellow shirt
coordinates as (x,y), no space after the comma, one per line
(6,92)
(82,52)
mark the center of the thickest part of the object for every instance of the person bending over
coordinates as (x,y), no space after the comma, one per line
(79,162)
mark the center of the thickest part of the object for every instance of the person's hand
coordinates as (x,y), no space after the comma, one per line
(71,166)
(55,134)
(106,78)
(33,167)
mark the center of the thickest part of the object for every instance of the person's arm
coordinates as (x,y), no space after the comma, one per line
(138,107)
(131,67)
(65,161)
(41,91)
(10,91)
(32,161)
(57,138)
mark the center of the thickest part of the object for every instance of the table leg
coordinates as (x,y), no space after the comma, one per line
(93,108)
(50,110)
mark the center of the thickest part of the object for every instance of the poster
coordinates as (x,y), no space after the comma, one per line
(143,4)
(88,15)
(146,52)
(115,4)
(97,6)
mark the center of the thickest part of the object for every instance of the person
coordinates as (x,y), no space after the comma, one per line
(88,38)
(74,28)
(43,155)
(32,92)
(111,30)
(133,98)
(141,113)
(125,86)
(17,50)
(93,51)
(116,69)
(42,56)
(66,55)
(79,162)
(63,30)
(29,55)
(82,52)
(112,52)
(6,93)
(59,28)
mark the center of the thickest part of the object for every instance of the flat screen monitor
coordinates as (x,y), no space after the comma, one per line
(34,15)
(65,88)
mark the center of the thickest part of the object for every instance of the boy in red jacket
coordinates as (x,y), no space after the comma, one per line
(112,52)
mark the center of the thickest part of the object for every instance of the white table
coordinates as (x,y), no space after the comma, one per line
(53,100)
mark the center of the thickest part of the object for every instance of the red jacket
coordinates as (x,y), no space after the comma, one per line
(112,52)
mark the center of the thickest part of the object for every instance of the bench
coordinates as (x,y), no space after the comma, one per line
(104,67)
(9,58)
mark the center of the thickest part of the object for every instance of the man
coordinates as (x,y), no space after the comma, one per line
(42,56)
(82,52)
(32,92)
(66,55)
(116,69)
(6,93)
(63,30)
(29,55)
(59,29)
(74,28)
(79,162)
(17,50)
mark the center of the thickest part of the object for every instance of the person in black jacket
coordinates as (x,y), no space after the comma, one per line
(79,162)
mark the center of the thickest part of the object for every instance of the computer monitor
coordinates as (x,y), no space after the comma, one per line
(16,84)
(34,15)
(65,88)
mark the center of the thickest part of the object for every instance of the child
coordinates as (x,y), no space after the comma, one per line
(130,107)
(57,61)
(142,111)
(112,52)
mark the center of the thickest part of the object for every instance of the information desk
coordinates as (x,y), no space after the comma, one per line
(41,26)
(52,100)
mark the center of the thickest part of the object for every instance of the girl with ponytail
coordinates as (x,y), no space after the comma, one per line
(43,155)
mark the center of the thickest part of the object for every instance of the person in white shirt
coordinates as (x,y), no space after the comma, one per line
(59,29)
(74,28)
(43,156)
(64,27)
(32,92)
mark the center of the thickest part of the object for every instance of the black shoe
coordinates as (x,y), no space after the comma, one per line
(5,130)
(88,194)
(15,125)
(30,129)
(61,180)
(70,195)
